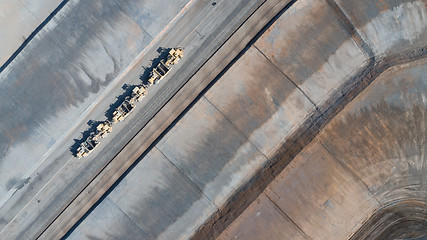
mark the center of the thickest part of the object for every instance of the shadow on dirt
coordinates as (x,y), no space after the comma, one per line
(163,53)
(92,127)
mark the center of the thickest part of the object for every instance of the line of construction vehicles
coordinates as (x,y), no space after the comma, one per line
(129,103)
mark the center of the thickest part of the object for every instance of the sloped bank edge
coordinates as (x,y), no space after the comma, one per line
(307,131)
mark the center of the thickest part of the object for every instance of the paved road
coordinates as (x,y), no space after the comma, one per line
(199,44)
(53,83)
(230,132)
(200,29)
(206,147)
(72,72)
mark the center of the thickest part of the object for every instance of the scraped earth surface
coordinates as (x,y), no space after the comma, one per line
(316,131)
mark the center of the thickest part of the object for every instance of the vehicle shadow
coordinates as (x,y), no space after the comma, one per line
(119,100)
(163,53)
(92,127)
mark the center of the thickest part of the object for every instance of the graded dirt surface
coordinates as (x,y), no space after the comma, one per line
(363,175)
(273,100)
(311,126)
(81,85)
(368,161)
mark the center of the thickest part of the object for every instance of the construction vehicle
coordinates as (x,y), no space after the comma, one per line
(159,72)
(102,130)
(124,109)
(138,93)
(87,146)
(128,105)
(174,55)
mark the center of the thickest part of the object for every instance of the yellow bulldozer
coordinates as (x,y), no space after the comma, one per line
(138,93)
(174,55)
(159,72)
(128,105)
(123,110)
(102,130)
(87,146)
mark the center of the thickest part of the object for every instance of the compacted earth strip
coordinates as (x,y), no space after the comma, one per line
(307,123)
